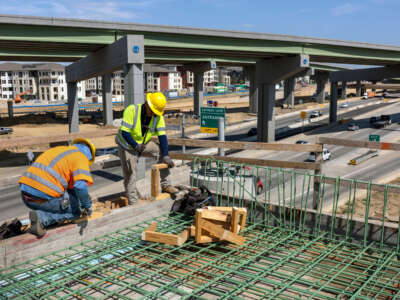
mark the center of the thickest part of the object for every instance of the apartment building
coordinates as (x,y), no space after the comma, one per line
(45,81)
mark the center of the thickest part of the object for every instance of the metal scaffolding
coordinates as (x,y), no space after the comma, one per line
(291,252)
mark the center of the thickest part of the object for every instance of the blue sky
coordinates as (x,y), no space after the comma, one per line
(375,21)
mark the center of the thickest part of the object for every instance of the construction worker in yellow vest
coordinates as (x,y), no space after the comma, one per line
(139,124)
(55,185)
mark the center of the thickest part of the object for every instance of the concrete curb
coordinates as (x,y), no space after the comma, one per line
(23,247)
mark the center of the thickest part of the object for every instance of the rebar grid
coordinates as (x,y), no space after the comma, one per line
(274,263)
(286,255)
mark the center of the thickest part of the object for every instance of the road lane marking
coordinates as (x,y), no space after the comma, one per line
(359,170)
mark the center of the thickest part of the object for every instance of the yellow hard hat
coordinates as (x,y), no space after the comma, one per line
(157,103)
(89,144)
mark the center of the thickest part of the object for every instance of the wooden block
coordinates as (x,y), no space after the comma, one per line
(158,237)
(152,227)
(215,215)
(208,239)
(235,220)
(107,204)
(159,166)
(243,220)
(124,200)
(155,183)
(220,208)
(165,238)
(183,236)
(222,234)
(198,224)
(162,196)
(192,230)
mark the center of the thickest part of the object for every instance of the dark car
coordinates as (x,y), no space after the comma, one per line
(301,142)
(6,130)
(353,127)
(373,120)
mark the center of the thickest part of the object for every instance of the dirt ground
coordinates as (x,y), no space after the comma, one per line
(377,204)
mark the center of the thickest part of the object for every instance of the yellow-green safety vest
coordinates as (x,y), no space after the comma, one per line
(131,122)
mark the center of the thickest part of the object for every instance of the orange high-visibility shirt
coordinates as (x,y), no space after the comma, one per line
(57,169)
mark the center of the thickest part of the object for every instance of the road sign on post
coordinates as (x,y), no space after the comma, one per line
(303,114)
(374,138)
(209,118)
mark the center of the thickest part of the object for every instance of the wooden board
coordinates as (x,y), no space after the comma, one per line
(23,142)
(359,144)
(244,145)
(250,161)
(222,234)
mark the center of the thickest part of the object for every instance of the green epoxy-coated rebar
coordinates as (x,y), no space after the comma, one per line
(287,254)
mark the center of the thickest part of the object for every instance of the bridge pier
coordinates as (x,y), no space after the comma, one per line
(321,82)
(133,84)
(73,107)
(289,87)
(250,72)
(343,94)
(333,103)
(126,53)
(107,100)
(198,70)
(268,73)
(358,89)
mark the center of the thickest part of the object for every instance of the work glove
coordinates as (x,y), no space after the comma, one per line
(140,148)
(167,160)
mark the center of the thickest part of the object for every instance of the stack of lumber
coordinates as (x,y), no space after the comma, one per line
(212,224)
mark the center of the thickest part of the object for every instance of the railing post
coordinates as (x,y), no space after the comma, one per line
(221,135)
(317,181)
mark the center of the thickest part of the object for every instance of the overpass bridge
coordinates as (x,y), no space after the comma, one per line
(267,58)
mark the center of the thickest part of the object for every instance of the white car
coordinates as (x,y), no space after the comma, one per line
(344,105)
(315,114)
(326,155)
(364,96)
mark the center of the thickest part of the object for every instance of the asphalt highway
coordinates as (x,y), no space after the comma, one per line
(11,204)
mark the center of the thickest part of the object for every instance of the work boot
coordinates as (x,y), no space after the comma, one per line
(170,189)
(36,228)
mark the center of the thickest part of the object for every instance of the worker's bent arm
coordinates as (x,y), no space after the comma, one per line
(82,193)
(129,139)
(163,144)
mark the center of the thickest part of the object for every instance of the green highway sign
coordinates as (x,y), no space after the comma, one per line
(209,118)
(374,138)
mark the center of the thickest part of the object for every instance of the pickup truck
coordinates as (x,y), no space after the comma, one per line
(382,122)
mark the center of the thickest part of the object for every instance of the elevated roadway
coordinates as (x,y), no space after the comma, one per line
(57,39)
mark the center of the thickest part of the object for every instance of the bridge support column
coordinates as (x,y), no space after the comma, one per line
(73,110)
(333,104)
(289,86)
(268,73)
(253,99)
(107,99)
(321,82)
(374,89)
(198,92)
(198,70)
(358,89)
(344,90)
(133,84)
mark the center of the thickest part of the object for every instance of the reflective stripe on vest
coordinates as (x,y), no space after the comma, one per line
(80,171)
(119,139)
(43,182)
(49,169)
(155,121)
(52,172)
(127,125)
